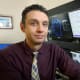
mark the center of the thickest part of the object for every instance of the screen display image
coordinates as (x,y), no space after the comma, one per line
(74,17)
(60,26)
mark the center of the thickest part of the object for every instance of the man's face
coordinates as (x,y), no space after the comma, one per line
(36,27)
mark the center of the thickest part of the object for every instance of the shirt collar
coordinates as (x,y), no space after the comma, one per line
(44,49)
(27,48)
(41,50)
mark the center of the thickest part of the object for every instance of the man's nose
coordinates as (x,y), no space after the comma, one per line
(40,28)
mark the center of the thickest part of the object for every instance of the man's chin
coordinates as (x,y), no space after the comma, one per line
(38,42)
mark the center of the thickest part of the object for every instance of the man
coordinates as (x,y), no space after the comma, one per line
(16,61)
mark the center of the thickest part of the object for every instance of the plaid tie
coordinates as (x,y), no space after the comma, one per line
(34,73)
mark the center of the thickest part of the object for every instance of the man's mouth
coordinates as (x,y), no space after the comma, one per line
(39,36)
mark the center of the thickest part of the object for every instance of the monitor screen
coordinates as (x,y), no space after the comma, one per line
(74,17)
(60,26)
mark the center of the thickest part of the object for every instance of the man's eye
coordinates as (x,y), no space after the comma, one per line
(33,24)
(45,24)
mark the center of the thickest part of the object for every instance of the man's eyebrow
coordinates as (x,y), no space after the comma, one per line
(45,21)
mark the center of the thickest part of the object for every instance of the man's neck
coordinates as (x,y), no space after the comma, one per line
(34,47)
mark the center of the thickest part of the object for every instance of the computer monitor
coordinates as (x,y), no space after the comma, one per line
(60,26)
(74,17)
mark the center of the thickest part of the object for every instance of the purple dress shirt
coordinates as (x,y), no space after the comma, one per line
(16,62)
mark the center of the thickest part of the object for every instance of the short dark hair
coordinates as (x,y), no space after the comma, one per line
(33,7)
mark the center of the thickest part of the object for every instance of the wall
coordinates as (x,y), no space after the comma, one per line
(13,8)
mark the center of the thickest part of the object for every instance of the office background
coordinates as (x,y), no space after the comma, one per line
(14,8)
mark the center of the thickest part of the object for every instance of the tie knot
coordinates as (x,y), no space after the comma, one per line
(35,54)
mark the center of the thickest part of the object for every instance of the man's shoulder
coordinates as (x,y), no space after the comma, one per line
(11,55)
(16,45)
(12,48)
(50,44)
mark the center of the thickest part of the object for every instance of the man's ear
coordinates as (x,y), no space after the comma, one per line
(22,27)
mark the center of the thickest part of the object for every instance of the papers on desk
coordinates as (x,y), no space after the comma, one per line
(76,56)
